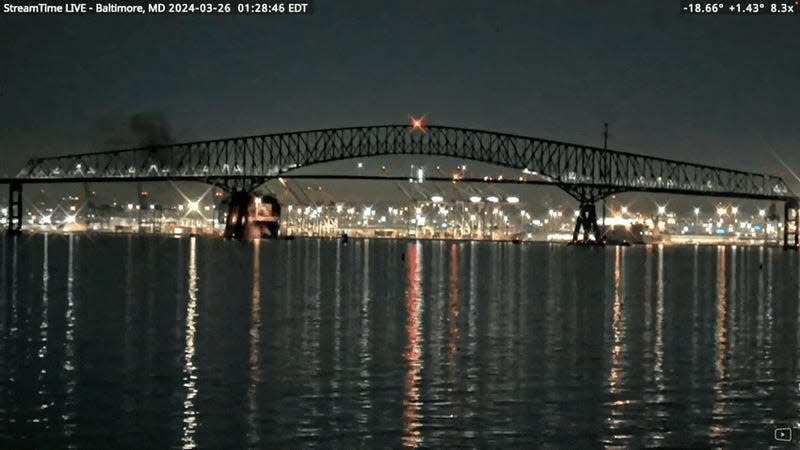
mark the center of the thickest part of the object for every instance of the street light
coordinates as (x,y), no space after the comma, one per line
(696,214)
(662,209)
(475,199)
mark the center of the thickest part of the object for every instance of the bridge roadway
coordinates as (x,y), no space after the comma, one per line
(239,165)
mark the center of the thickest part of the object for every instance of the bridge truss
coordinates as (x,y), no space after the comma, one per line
(241,164)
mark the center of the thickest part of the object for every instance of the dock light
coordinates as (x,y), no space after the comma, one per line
(46,220)
(70,219)
(437,199)
(493,199)
(194,206)
(721,211)
(512,199)
(475,199)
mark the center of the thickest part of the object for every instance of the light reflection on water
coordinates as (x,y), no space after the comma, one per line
(192,343)
(189,368)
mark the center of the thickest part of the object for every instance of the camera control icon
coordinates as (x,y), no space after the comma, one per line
(783,434)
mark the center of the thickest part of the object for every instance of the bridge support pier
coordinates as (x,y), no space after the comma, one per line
(791,225)
(251,217)
(586,221)
(15,209)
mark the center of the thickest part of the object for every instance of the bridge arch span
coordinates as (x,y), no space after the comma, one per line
(585,172)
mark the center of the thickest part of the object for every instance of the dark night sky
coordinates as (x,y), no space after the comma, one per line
(718,90)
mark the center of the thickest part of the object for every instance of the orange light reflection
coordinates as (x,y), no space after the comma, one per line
(411,400)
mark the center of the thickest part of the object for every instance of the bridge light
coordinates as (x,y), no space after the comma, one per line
(360,165)
(417,124)
(420,175)
(475,199)
(437,199)
(512,199)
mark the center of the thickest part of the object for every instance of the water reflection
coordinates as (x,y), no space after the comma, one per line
(69,342)
(363,343)
(718,428)
(618,337)
(255,346)
(411,399)
(452,319)
(189,368)
(388,343)
(44,324)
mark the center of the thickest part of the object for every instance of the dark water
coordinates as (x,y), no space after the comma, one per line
(125,342)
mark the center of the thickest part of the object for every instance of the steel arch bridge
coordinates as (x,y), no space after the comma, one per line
(241,164)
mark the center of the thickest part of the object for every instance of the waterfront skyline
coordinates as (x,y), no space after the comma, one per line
(710,90)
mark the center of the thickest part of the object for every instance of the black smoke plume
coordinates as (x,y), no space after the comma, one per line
(143,129)
(140,130)
(151,129)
